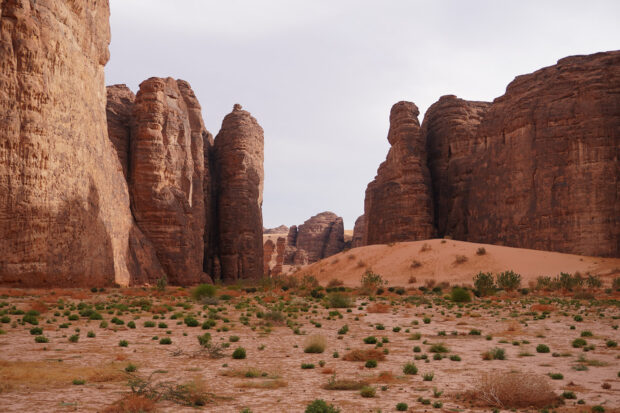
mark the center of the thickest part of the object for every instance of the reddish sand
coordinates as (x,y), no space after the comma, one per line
(395,262)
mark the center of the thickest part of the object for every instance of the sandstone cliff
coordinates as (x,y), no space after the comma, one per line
(358,232)
(398,204)
(65,217)
(119,107)
(238,154)
(536,168)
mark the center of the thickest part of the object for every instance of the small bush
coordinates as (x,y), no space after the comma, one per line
(513,390)
(371,364)
(484,284)
(371,282)
(368,391)
(191,321)
(41,339)
(481,251)
(239,353)
(320,406)
(123,343)
(74,338)
(165,341)
(542,348)
(307,366)
(460,295)
(402,407)
(410,368)
(460,259)
(149,324)
(131,368)
(370,340)
(204,291)
(438,348)
(428,376)
(579,342)
(556,376)
(364,355)
(494,354)
(315,344)
(36,331)
(79,382)
(508,280)
(337,300)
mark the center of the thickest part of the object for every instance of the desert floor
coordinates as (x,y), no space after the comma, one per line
(273,325)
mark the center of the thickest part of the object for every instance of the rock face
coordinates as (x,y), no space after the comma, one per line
(166,177)
(65,218)
(273,256)
(537,168)
(358,232)
(550,169)
(239,181)
(398,204)
(268,255)
(450,127)
(119,106)
(319,237)
(277,230)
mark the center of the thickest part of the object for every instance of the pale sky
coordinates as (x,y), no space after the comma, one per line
(320,76)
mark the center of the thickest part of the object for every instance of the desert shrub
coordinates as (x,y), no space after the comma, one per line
(233,339)
(402,407)
(41,339)
(611,343)
(320,406)
(371,282)
(307,366)
(309,282)
(165,341)
(371,364)
(567,281)
(91,334)
(508,280)
(344,329)
(239,353)
(481,251)
(130,368)
(426,247)
(438,348)
(410,368)
(483,283)
(579,342)
(74,338)
(334,282)
(460,295)
(428,376)
(123,343)
(544,283)
(315,344)
(203,291)
(593,281)
(274,316)
(615,284)
(36,331)
(149,324)
(368,391)
(161,283)
(556,376)
(30,319)
(542,348)
(337,300)
(460,259)
(191,321)
(513,390)
(131,324)
(370,340)
(132,403)
(494,354)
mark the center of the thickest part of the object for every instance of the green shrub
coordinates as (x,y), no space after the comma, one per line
(307,366)
(165,341)
(36,331)
(460,295)
(371,364)
(239,353)
(402,407)
(90,334)
(74,338)
(370,340)
(131,324)
(30,319)
(79,382)
(508,280)
(494,354)
(556,376)
(123,343)
(428,376)
(368,391)
(41,339)
(130,368)
(191,321)
(569,395)
(204,291)
(455,357)
(438,348)
(611,343)
(593,281)
(371,282)
(337,300)
(344,329)
(320,406)
(233,339)
(579,342)
(149,324)
(542,348)
(204,339)
(410,368)
(483,283)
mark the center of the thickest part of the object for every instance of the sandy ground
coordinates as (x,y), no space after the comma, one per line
(278,351)
(395,262)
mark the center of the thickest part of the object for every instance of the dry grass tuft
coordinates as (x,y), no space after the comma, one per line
(344,384)
(364,355)
(265,384)
(334,282)
(513,390)
(315,343)
(460,259)
(426,247)
(379,308)
(132,403)
(543,307)
(46,374)
(328,370)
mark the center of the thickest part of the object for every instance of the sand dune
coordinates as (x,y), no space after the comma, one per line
(395,263)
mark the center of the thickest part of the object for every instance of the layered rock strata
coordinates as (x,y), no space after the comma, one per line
(319,237)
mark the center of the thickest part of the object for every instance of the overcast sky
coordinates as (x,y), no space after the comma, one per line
(320,76)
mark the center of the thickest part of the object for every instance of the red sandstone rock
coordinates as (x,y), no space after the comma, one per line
(280,248)
(319,237)
(450,127)
(166,176)
(119,106)
(65,218)
(268,250)
(398,204)
(358,233)
(277,230)
(239,181)
(549,176)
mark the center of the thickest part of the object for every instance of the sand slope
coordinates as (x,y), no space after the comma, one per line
(394,263)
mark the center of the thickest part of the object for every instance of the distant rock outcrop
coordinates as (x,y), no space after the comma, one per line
(119,107)
(398,204)
(282,229)
(319,237)
(273,256)
(239,181)
(537,168)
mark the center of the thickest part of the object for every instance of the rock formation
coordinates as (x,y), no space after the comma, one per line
(549,176)
(398,204)
(450,129)
(65,217)
(280,248)
(277,230)
(268,249)
(358,232)
(537,168)
(166,177)
(238,155)
(119,107)
(273,256)
(319,237)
